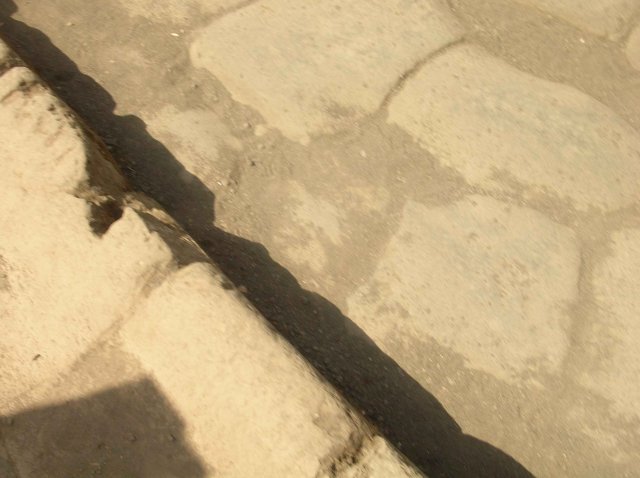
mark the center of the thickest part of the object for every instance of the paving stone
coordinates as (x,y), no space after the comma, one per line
(47,245)
(496,124)
(313,67)
(602,17)
(615,338)
(228,370)
(488,280)
(64,286)
(633,48)
(56,154)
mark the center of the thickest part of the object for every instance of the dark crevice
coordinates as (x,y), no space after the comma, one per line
(184,250)
(409,416)
(103,215)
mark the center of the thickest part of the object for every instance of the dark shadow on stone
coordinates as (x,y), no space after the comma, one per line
(406,414)
(129,431)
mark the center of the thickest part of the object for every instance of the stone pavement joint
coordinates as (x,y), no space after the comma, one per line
(511,122)
(415,69)
(501,293)
(327,70)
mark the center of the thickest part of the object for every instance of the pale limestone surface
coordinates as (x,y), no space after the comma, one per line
(488,280)
(270,392)
(266,393)
(315,67)
(632,49)
(615,337)
(50,318)
(601,17)
(497,125)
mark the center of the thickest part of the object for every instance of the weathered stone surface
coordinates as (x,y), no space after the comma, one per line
(602,17)
(62,285)
(262,372)
(615,338)
(633,48)
(313,67)
(248,371)
(488,280)
(56,154)
(488,120)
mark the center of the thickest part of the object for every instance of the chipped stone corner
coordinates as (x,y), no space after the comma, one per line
(366,456)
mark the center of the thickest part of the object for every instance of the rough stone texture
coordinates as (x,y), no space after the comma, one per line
(47,244)
(496,125)
(263,375)
(633,48)
(615,337)
(602,17)
(115,362)
(485,279)
(313,67)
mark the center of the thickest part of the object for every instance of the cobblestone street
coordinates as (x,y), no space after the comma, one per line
(435,203)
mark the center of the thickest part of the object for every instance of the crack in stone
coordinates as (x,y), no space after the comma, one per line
(346,458)
(411,72)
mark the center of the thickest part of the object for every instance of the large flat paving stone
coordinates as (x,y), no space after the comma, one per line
(496,125)
(314,67)
(489,281)
(614,339)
